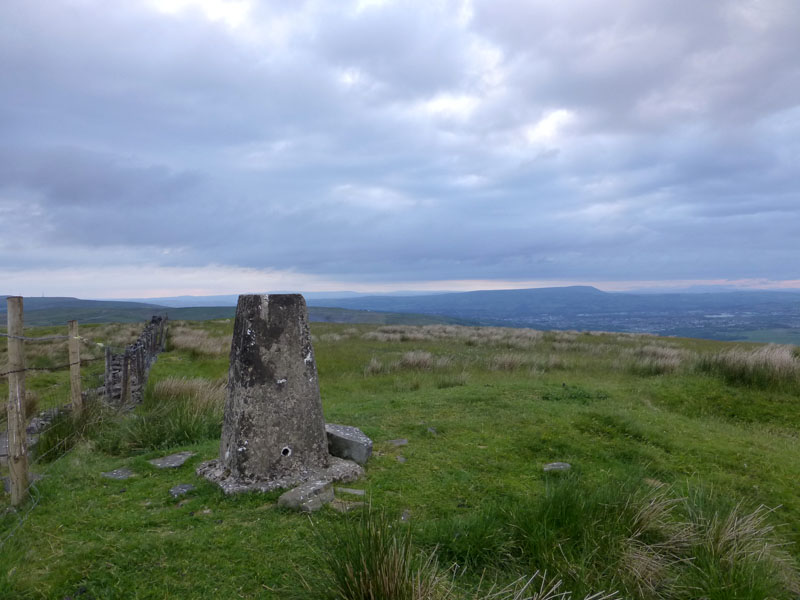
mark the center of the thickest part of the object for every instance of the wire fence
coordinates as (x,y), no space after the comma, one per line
(66,395)
(60,441)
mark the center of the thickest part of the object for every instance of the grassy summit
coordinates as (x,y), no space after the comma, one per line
(684,462)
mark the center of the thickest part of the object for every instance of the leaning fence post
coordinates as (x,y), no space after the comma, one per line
(125,392)
(17,441)
(75,369)
(107,382)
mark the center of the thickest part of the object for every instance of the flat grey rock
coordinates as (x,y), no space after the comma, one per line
(181,489)
(309,497)
(351,491)
(173,461)
(398,442)
(345,506)
(348,442)
(401,459)
(557,466)
(120,474)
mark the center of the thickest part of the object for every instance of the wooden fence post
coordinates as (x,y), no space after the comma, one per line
(17,440)
(75,369)
(107,380)
(125,384)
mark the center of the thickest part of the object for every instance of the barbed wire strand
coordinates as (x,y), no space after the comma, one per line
(32,490)
(55,368)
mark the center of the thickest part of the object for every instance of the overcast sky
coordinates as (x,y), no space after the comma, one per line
(165,147)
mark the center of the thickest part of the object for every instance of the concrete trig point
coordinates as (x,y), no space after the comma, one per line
(273,434)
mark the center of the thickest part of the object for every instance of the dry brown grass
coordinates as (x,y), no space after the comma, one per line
(652,359)
(374,367)
(417,359)
(472,336)
(765,366)
(198,340)
(201,394)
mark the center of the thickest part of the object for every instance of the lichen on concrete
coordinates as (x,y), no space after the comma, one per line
(273,433)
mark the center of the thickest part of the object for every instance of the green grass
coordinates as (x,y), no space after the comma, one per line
(643,421)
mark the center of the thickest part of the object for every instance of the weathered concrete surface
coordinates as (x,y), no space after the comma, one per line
(338,470)
(348,442)
(309,497)
(273,433)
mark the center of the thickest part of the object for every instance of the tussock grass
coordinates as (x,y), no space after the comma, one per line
(67,430)
(646,542)
(653,359)
(475,490)
(371,557)
(767,366)
(374,367)
(198,341)
(175,412)
(508,361)
(418,360)
(452,380)
(736,552)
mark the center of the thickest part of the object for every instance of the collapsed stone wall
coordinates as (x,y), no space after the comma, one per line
(126,373)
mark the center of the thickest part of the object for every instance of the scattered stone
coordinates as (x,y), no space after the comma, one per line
(398,442)
(405,516)
(181,489)
(557,466)
(351,491)
(345,506)
(173,461)
(348,442)
(309,497)
(432,431)
(401,459)
(205,511)
(273,432)
(120,474)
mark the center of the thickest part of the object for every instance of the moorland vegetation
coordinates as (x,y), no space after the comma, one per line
(684,460)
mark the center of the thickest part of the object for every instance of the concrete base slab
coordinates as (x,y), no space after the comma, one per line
(338,470)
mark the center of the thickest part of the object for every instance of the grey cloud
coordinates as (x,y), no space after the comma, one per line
(147,138)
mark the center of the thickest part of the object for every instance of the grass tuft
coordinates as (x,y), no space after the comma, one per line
(770,366)
(175,412)
(371,557)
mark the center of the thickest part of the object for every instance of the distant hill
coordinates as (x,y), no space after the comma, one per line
(46,303)
(57,311)
(719,315)
(735,315)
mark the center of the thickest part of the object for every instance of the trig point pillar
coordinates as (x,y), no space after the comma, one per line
(273,433)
